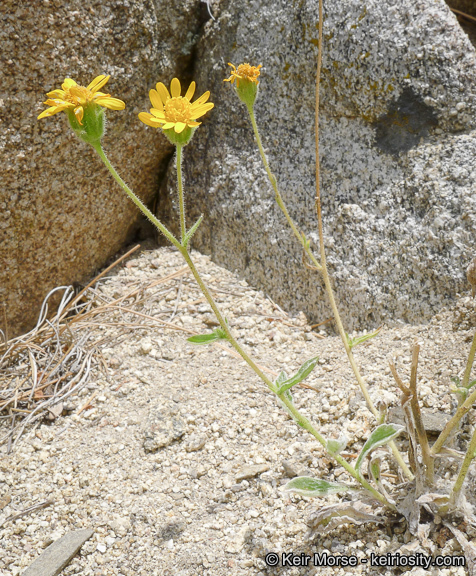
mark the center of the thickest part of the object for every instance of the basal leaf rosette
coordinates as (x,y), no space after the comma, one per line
(83,106)
(176,115)
(247,83)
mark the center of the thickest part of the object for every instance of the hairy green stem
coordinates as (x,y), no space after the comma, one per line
(469,364)
(142,207)
(221,319)
(183,229)
(279,200)
(453,422)
(223,323)
(462,408)
(304,423)
(464,469)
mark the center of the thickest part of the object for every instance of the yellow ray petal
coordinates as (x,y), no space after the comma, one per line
(59,104)
(149,120)
(190,91)
(98,83)
(68,82)
(179,127)
(168,125)
(201,109)
(49,112)
(158,113)
(100,95)
(155,99)
(163,92)
(79,113)
(175,87)
(77,91)
(56,94)
(111,103)
(203,98)
(56,102)
(193,124)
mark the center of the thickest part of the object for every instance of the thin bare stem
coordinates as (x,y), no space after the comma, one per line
(183,229)
(324,271)
(399,381)
(420,429)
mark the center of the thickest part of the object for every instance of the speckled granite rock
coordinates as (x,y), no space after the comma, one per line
(59,222)
(398,152)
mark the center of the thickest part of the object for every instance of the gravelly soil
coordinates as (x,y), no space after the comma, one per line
(179,463)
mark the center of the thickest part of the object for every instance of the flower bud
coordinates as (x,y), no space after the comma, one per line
(247,83)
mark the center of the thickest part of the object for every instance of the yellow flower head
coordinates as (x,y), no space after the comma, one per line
(245,72)
(246,77)
(75,98)
(174,113)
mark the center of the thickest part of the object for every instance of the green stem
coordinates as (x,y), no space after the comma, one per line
(183,229)
(304,423)
(221,319)
(277,194)
(463,408)
(97,146)
(322,267)
(464,469)
(458,415)
(290,406)
(469,364)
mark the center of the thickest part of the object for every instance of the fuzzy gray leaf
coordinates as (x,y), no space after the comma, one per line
(331,517)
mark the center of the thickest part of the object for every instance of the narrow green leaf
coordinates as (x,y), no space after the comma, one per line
(361,339)
(204,338)
(306,241)
(383,434)
(300,375)
(306,486)
(191,232)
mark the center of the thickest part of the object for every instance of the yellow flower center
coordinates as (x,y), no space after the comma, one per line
(177,109)
(251,73)
(78,95)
